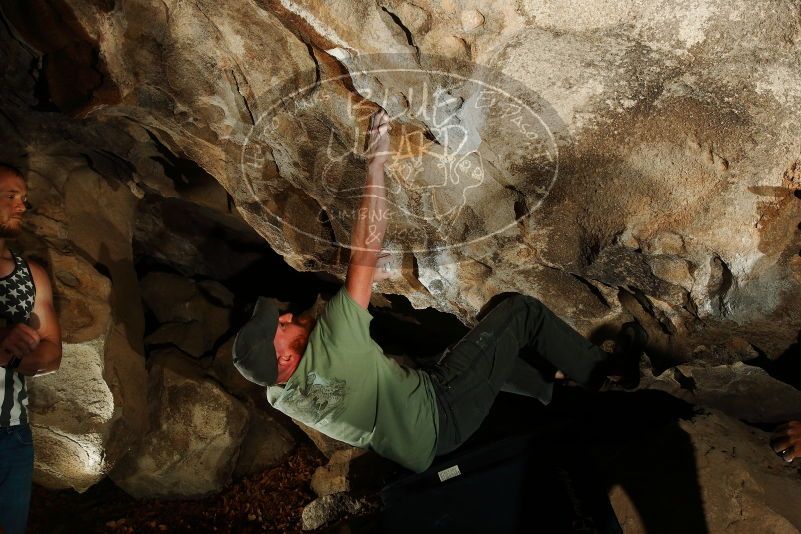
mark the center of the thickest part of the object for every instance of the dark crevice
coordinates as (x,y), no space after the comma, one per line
(726,282)
(685,382)
(419,334)
(643,301)
(399,329)
(591,287)
(71,73)
(155,347)
(325,220)
(429,136)
(184,172)
(592,249)
(690,306)
(41,91)
(646,305)
(399,23)
(10,29)
(787,367)
(520,204)
(109,165)
(317,73)
(244,99)
(103,269)
(11,122)
(415,268)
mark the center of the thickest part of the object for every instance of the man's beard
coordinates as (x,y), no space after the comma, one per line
(10,230)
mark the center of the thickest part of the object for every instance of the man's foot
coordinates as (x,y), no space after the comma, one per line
(625,360)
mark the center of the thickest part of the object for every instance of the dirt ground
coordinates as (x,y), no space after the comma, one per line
(271,501)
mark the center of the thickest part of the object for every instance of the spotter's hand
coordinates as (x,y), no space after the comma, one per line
(786,441)
(17,341)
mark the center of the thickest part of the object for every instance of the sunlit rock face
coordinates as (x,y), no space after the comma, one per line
(638,148)
(614,159)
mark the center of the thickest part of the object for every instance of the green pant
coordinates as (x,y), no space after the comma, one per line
(487,360)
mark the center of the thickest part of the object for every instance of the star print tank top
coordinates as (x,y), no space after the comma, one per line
(17,294)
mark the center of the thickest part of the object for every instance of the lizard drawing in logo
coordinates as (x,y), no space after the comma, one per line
(319,402)
(429,182)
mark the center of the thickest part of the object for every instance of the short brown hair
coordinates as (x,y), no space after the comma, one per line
(10,168)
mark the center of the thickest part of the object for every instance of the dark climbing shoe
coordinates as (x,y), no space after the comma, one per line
(625,361)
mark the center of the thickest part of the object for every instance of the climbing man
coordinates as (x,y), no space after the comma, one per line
(333,377)
(30,344)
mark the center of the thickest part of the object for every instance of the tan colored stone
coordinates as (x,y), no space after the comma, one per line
(64,460)
(195,433)
(190,320)
(126,376)
(334,476)
(738,390)
(331,508)
(673,270)
(328,446)
(70,412)
(86,415)
(472,19)
(82,296)
(265,445)
(189,337)
(743,485)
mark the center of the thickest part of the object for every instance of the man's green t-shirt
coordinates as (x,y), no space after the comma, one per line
(346,388)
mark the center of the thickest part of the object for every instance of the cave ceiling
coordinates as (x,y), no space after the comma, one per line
(626,159)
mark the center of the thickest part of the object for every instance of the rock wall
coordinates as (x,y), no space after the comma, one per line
(195,432)
(666,169)
(93,410)
(741,487)
(614,159)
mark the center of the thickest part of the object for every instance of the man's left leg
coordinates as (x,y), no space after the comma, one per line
(16,475)
(470,375)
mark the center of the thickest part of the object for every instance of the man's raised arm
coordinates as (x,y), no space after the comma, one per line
(367,235)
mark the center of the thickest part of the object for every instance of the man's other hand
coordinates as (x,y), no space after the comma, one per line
(786,441)
(18,341)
